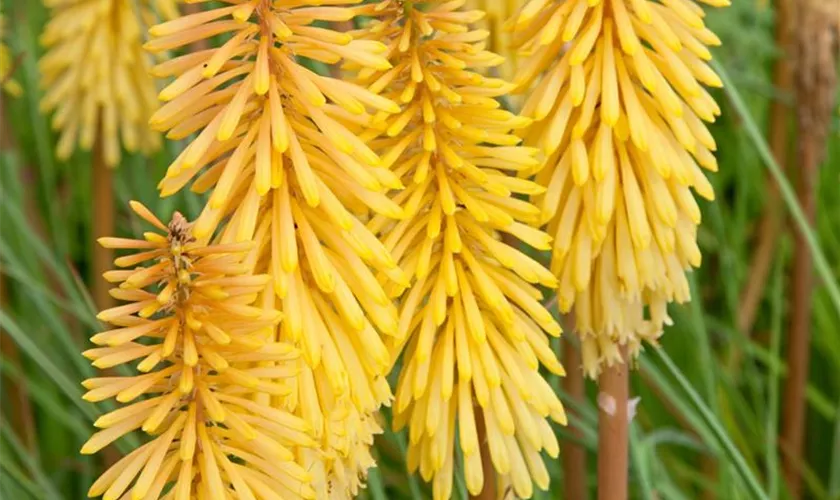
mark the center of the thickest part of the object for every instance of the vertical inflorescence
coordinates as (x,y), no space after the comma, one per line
(96,75)
(201,331)
(277,150)
(619,108)
(472,325)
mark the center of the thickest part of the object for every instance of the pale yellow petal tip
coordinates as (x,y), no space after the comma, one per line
(157,31)
(561,418)
(98,339)
(222,135)
(550,283)
(102,422)
(201,231)
(208,72)
(242,14)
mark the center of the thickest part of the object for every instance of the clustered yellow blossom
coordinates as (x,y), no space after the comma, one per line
(7,65)
(96,76)
(277,150)
(616,93)
(202,333)
(472,325)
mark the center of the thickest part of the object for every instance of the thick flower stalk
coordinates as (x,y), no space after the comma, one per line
(7,65)
(95,75)
(201,332)
(619,109)
(276,149)
(472,325)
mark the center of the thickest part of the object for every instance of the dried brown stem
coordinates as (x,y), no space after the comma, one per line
(574,454)
(103,225)
(613,436)
(771,222)
(815,87)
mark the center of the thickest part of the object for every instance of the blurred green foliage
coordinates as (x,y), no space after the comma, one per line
(697,405)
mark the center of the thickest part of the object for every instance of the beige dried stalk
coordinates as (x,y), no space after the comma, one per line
(815,84)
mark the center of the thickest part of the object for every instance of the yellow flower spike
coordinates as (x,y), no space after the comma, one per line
(471,305)
(279,148)
(198,354)
(619,114)
(96,75)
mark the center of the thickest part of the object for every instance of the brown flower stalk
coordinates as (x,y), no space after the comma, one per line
(778,137)
(574,454)
(613,432)
(816,48)
(102,225)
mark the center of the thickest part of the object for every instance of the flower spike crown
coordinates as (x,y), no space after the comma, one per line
(616,94)
(96,75)
(471,327)
(202,330)
(276,147)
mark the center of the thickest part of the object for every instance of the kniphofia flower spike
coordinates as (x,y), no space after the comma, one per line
(472,326)
(275,147)
(616,92)
(201,332)
(95,75)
